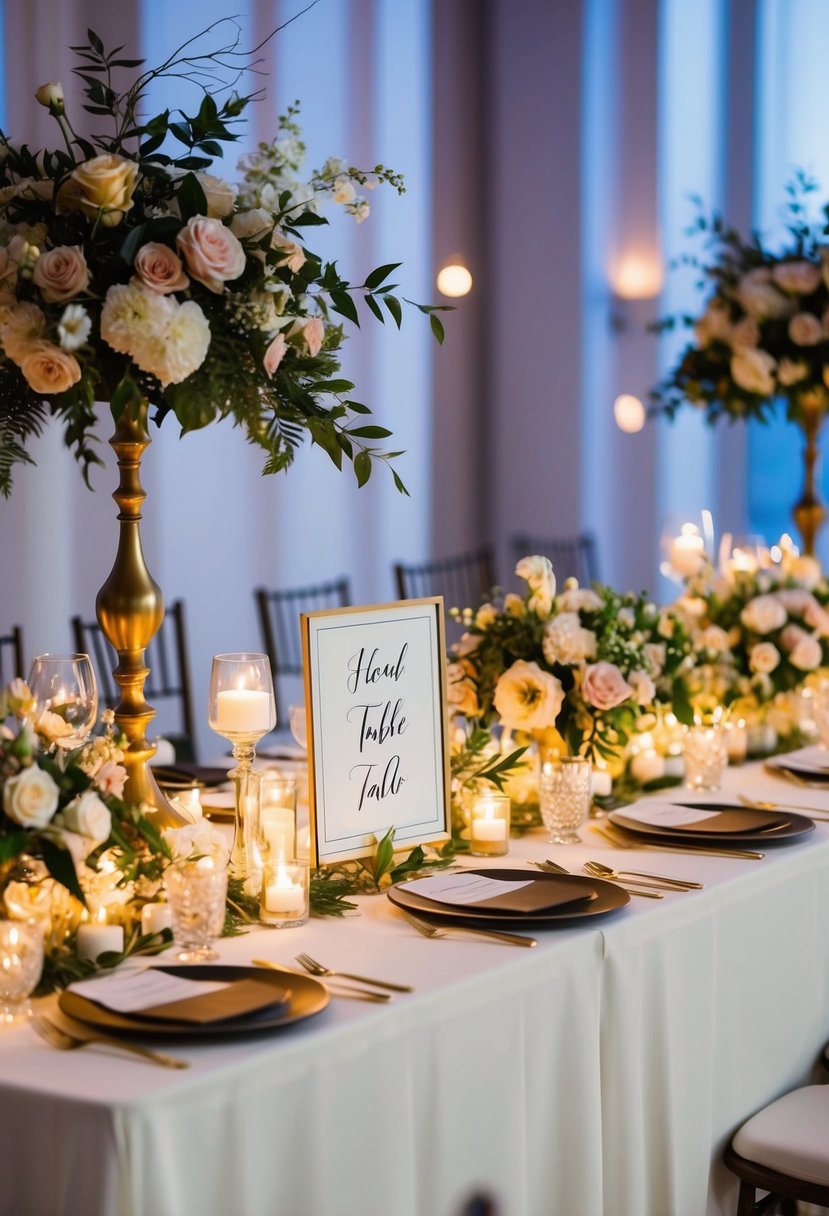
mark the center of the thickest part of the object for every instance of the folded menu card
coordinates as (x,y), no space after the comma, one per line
(158,996)
(482,891)
(702,818)
(812,760)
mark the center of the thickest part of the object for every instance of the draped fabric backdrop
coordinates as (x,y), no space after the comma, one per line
(552,145)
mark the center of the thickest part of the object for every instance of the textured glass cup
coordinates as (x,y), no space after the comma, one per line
(284,896)
(21,962)
(196,893)
(564,797)
(705,751)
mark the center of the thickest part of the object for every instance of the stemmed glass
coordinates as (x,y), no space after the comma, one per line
(299,727)
(242,708)
(64,684)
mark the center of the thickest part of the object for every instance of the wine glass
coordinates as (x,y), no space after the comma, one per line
(299,725)
(242,708)
(64,685)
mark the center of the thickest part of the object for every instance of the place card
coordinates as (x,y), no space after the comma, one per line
(135,991)
(670,815)
(462,888)
(503,896)
(156,995)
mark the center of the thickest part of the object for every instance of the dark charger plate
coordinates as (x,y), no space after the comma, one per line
(794,826)
(308,997)
(608,897)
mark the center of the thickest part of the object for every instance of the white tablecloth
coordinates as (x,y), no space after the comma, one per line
(597,1075)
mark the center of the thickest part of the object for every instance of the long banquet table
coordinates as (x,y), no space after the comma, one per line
(598,1075)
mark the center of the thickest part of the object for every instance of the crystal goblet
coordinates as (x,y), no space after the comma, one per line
(21,962)
(196,893)
(64,685)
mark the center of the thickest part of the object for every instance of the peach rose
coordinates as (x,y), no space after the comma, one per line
(102,186)
(275,354)
(61,273)
(309,332)
(212,253)
(48,369)
(294,257)
(805,329)
(160,269)
(219,195)
(604,686)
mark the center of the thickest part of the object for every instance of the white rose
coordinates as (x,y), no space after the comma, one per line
(763,614)
(807,654)
(528,698)
(759,297)
(30,798)
(538,573)
(656,653)
(50,95)
(714,638)
(644,689)
(753,370)
(88,816)
(764,657)
(579,599)
(805,329)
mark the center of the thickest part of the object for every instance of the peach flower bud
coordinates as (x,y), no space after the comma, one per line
(212,254)
(61,273)
(275,354)
(160,269)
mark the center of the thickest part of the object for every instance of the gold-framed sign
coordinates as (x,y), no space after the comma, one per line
(378,750)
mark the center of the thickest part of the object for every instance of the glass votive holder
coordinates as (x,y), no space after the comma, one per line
(21,962)
(706,755)
(285,890)
(197,894)
(489,823)
(276,834)
(564,797)
(736,741)
(820,711)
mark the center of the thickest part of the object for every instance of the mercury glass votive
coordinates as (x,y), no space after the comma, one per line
(489,822)
(21,962)
(564,797)
(285,891)
(706,755)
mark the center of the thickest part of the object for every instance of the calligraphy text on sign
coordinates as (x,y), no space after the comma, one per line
(379,722)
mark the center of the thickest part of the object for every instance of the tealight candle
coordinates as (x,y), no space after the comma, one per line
(242,711)
(489,825)
(279,830)
(155,917)
(284,898)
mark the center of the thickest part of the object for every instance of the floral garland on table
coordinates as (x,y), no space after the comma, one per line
(764,332)
(757,637)
(574,671)
(129,272)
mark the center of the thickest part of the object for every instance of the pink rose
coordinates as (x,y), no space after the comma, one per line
(160,269)
(212,253)
(275,354)
(310,332)
(48,369)
(604,686)
(61,273)
(111,778)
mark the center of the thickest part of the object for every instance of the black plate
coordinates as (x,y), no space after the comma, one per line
(609,896)
(308,997)
(796,825)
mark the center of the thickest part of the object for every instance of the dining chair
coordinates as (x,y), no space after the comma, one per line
(11,655)
(168,683)
(572,556)
(279,614)
(784,1150)
(463,580)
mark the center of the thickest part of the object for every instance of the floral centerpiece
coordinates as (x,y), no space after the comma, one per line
(757,637)
(572,671)
(763,335)
(130,271)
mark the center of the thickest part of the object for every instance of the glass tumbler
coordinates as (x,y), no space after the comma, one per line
(705,751)
(564,796)
(196,893)
(21,962)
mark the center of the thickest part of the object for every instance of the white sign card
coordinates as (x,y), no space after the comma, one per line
(377,735)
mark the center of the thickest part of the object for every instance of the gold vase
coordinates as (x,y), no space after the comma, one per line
(130,610)
(809,513)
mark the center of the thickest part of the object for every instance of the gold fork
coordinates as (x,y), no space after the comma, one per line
(428,930)
(637,878)
(57,1037)
(552,867)
(758,804)
(311,965)
(343,990)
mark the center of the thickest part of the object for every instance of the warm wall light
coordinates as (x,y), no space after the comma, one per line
(629,413)
(637,275)
(454,280)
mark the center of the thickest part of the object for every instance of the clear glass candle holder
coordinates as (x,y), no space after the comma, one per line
(21,962)
(285,890)
(196,893)
(820,711)
(564,797)
(276,828)
(489,823)
(705,751)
